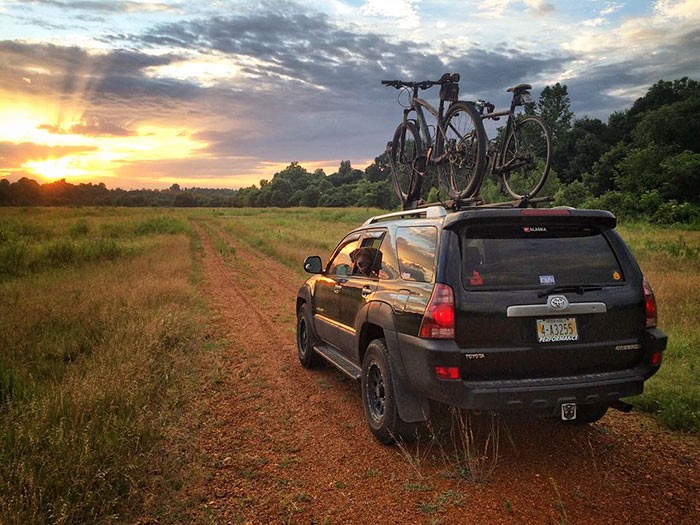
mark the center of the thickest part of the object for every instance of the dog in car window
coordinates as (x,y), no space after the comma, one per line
(368,261)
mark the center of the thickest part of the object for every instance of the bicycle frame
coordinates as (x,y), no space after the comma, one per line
(497,169)
(417,105)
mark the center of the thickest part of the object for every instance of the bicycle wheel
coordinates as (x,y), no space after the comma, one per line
(525,160)
(461,151)
(407,163)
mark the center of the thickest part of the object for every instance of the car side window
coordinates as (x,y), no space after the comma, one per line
(416,251)
(367,258)
(342,264)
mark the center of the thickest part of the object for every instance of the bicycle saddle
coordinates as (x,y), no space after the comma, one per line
(519,88)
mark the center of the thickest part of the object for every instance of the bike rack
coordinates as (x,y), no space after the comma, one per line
(478,202)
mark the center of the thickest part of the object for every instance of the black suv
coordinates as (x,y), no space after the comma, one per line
(526,309)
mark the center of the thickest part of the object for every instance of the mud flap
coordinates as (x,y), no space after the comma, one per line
(413,408)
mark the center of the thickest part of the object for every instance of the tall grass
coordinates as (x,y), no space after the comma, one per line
(95,358)
(670,259)
(289,235)
(34,240)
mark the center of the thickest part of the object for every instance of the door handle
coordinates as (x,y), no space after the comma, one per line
(337,288)
(366,290)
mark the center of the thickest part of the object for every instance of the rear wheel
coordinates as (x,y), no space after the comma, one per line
(526,157)
(305,339)
(407,163)
(461,151)
(379,397)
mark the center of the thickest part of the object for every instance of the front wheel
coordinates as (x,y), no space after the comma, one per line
(379,397)
(461,151)
(407,163)
(526,157)
(305,338)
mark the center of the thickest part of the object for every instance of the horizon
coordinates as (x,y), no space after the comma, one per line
(144,95)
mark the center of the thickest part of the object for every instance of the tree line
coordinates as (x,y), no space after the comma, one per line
(643,163)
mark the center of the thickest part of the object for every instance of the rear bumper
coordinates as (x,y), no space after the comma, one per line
(542,395)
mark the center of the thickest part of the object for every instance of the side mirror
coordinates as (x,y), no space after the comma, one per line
(313,264)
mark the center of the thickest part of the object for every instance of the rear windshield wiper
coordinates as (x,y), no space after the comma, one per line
(580,289)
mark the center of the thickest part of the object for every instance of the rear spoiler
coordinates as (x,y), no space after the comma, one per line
(599,218)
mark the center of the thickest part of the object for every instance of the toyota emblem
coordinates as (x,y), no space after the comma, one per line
(558,302)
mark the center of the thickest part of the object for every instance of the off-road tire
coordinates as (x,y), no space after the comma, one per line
(379,397)
(305,339)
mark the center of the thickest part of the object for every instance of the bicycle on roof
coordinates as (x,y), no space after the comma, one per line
(457,149)
(520,156)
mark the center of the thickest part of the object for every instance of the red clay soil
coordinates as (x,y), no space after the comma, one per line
(284,444)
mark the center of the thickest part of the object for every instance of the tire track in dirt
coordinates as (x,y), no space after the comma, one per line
(288,445)
(275,411)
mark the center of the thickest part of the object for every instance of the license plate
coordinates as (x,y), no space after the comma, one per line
(559,329)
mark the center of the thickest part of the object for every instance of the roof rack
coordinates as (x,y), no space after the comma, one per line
(432,211)
(478,202)
(436,210)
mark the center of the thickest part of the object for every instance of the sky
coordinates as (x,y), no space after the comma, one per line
(225,93)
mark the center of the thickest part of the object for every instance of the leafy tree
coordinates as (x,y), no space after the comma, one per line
(25,192)
(588,140)
(555,107)
(185,199)
(676,125)
(5,192)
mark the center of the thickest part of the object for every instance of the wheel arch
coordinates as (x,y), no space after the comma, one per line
(379,324)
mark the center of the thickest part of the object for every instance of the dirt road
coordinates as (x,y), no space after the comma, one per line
(287,445)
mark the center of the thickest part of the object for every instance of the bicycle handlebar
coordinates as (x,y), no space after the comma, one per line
(447,78)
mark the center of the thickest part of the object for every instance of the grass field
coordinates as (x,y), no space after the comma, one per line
(102,327)
(99,320)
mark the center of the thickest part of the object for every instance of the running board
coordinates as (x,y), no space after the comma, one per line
(338,360)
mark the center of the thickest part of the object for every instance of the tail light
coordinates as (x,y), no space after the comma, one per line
(650,304)
(439,318)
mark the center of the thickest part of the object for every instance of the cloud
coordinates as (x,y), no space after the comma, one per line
(402,12)
(15,155)
(90,125)
(499,8)
(113,6)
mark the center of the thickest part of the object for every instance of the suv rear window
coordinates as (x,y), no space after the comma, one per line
(415,247)
(534,256)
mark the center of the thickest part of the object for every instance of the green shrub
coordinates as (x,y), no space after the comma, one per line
(161,224)
(80,228)
(672,212)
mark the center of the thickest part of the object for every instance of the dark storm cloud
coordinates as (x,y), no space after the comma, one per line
(313,84)
(117,77)
(591,92)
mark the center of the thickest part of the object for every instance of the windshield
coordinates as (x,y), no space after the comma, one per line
(536,256)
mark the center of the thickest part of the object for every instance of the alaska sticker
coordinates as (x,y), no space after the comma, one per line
(547,279)
(534,229)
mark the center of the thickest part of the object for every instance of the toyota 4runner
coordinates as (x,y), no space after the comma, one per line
(532,310)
